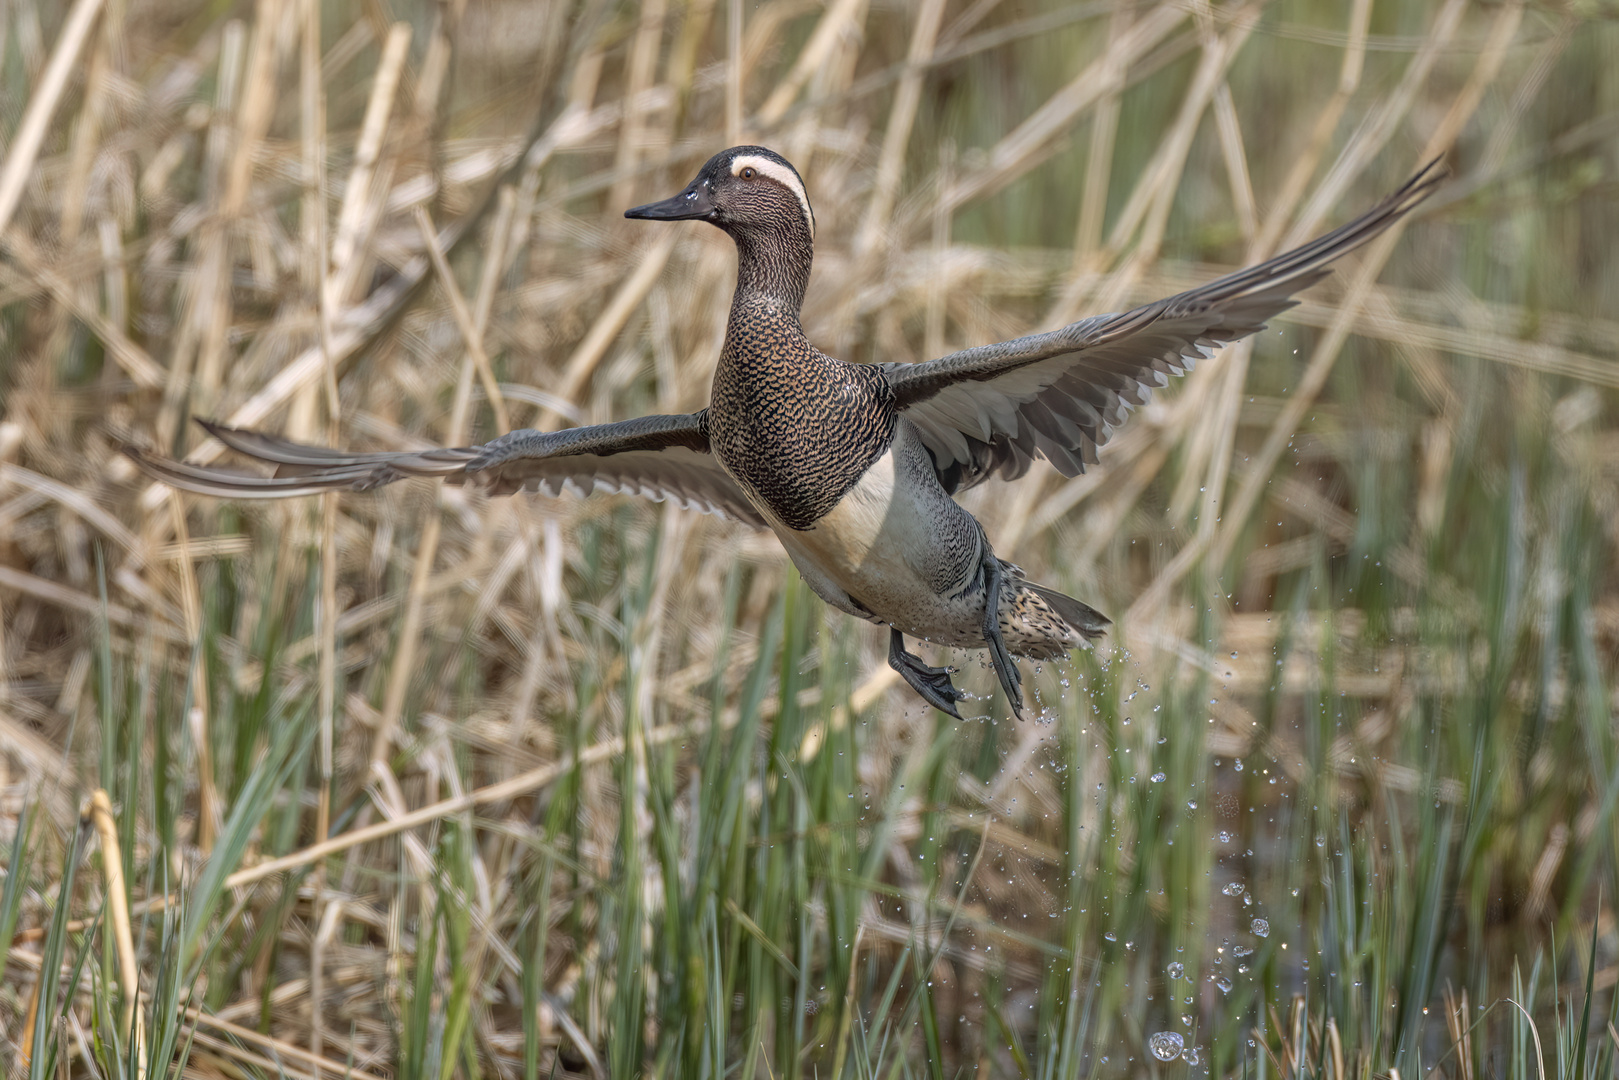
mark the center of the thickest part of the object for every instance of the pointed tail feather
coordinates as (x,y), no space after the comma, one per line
(1081,616)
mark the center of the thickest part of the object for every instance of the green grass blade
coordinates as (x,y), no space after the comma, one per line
(45,1047)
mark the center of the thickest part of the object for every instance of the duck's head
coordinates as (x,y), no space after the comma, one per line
(747,190)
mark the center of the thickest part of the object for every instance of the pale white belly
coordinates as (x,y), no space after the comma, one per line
(895,549)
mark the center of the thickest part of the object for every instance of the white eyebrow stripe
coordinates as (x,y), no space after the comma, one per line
(781,175)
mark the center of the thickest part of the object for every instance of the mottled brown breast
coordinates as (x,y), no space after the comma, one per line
(794,425)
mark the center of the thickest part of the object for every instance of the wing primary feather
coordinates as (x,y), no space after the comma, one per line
(656,457)
(262,446)
(991,408)
(225,483)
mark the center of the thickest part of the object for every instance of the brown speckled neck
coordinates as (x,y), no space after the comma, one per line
(773,265)
(795,426)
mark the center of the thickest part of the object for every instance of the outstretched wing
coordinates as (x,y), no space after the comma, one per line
(660,457)
(992,408)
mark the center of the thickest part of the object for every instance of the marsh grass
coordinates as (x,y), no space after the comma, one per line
(420,784)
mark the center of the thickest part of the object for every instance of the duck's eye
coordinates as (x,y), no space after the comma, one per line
(749,172)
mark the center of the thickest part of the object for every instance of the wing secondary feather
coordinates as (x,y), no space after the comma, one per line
(659,457)
(993,408)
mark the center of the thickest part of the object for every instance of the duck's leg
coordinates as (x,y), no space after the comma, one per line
(1011,680)
(933,683)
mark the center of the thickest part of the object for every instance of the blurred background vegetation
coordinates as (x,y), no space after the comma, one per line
(421,784)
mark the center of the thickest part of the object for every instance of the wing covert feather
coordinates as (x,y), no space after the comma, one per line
(658,457)
(993,408)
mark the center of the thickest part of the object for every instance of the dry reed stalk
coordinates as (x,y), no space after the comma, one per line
(5,678)
(841,1055)
(897,135)
(404,668)
(1098,83)
(42,103)
(78,501)
(81,155)
(832,25)
(641,69)
(214,284)
(312,218)
(1235,154)
(734,73)
(135,361)
(1012,155)
(938,284)
(430,86)
(1099,162)
(327,616)
(59,595)
(1149,205)
(177,385)
(1494,156)
(389,800)
(1305,164)
(99,810)
(351,331)
(1373,135)
(593,347)
(278,1047)
(1403,316)
(471,335)
(25,1045)
(1133,473)
(225,1052)
(348,242)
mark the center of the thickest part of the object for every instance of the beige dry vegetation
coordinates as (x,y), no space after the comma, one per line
(605,789)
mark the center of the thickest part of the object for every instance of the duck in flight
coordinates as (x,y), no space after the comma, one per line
(854,466)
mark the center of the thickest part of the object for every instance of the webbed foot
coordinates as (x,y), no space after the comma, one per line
(932,683)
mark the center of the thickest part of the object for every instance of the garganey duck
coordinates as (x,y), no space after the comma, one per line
(854,466)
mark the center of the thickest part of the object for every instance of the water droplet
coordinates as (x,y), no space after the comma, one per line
(1224,984)
(1110,936)
(1165,1045)
(1191,804)
(1241,950)
(1233,889)
(1190,1055)
(1159,778)
(1223,836)
(1320,841)
(1260,927)
(1237,764)
(1177,970)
